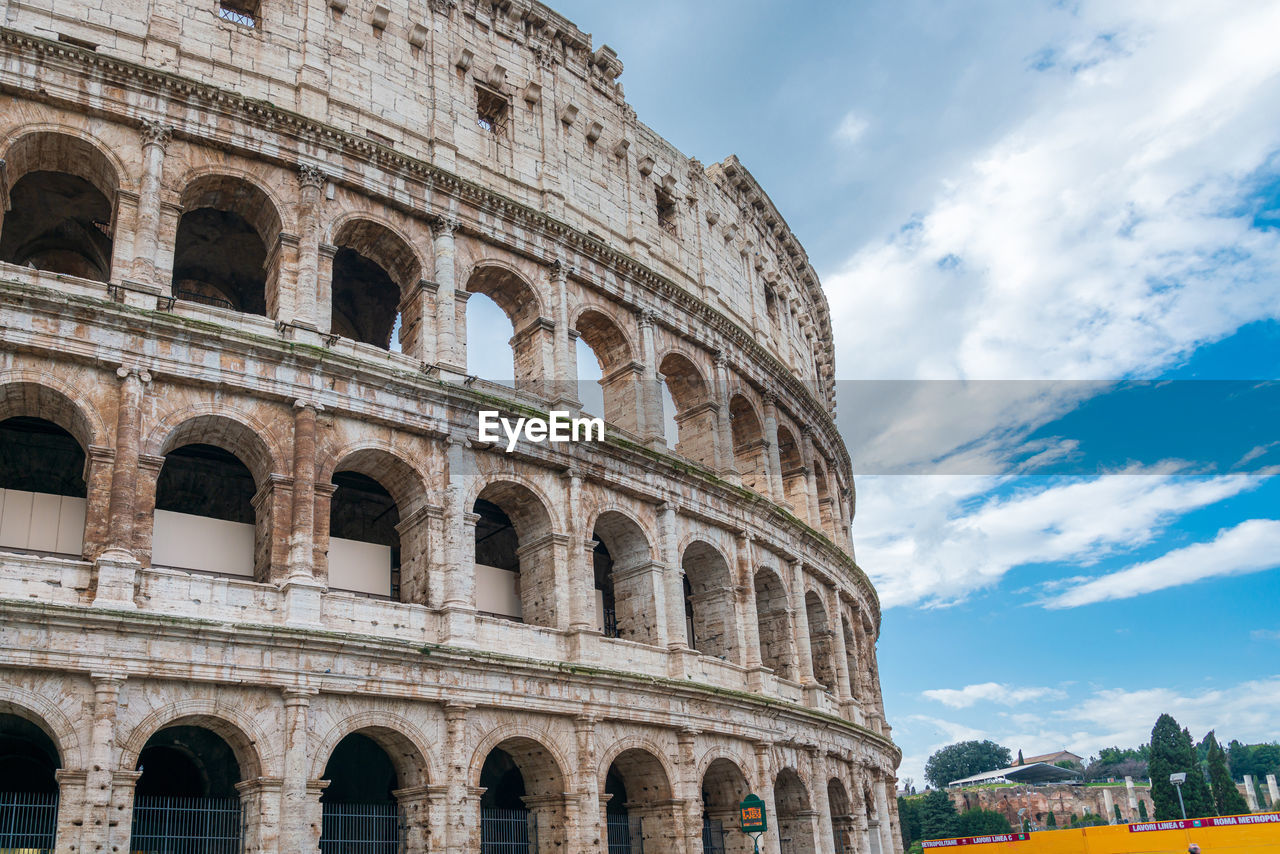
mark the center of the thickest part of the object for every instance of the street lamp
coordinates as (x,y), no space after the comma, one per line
(1177,780)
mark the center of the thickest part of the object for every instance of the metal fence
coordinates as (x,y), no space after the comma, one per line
(508,831)
(359,829)
(165,825)
(712,836)
(28,822)
(624,833)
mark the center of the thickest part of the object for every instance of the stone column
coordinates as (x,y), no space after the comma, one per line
(302,529)
(591,835)
(810,477)
(121,787)
(1273,792)
(415,808)
(447,352)
(563,391)
(95,833)
(260,807)
(824,833)
(677,631)
(307,307)
(690,790)
(146,244)
(769,842)
(776,488)
(800,625)
(418,322)
(463,830)
(298,809)
(726,464)
(1250,793)
(1108,807)
(324,287)
(878,789)
(1133,797)
(116,568)
(843,691)
(580,551)
(750,619)
(458,561)
(73,796)
(650,422)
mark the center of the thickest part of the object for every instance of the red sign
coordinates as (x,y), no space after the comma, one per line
(1193,823)
(976,840)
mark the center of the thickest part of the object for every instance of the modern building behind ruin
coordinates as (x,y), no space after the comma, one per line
(263,589)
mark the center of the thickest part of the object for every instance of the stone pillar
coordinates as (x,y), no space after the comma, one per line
(260,801)
(324,287)
(769,842)
(776,488)
(591,835)
(418,322)
(882,812)
(895,820)
(463,830)
(824,833)
(458,561)
(415,555)
(1273,792)
(726,464)
(299,819)
(800,625)
(651,420)
(1250,793)
(810,477)
(842,688)
(750,624)
(677,631)
(302,529)
(306,303)
(690,789)
(73,795)
(563,390)
(447,352)
(120,789)
(116,568)
(580,551)
(97,829)
(146,244)
(1108,806)
(1133,798)
(415,810)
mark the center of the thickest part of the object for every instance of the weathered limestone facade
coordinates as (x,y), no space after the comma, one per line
(227,186)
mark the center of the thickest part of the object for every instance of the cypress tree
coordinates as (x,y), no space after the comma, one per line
(1142,811)
(1020,760)
(1052,820)
(1227,799)
(1172,751)
(937,816)
(1119,818)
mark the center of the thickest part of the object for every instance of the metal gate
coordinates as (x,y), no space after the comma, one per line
(508,831)
(164,825)
(625,833)
(712,836)
(28,821)
(359,828)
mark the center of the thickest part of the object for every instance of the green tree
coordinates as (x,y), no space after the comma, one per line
(1052,820)
(981,823)
(1116,809)
(909,820)
(1021,761)
(964,759)
(1172,751)
(937,815)
(1142,811)
(1227,799)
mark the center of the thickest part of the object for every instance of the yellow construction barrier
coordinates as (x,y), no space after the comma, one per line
(1236,834)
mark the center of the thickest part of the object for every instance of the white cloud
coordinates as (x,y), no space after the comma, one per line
(851,129)
(1251,546)
(1265,634)
(990,692)
(937,539)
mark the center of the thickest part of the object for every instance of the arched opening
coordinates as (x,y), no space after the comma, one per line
(364,543)
(795,816)
(42,488)
(373,270)
(820,643)
(604,356)
(514,555)
(358,807)
(842,823)
(186,798)
(625,579)
(59,215)
(522,805)
(531,341)
(851,656)
(794,484)
(710,594)
(638,813)
(489,352)
(826,507)
(723,788)
(774,622)
(226,249)
(205,518)
(28,786)
(750,456)
(695,414)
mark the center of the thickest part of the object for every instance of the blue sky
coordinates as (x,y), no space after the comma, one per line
(1017,209)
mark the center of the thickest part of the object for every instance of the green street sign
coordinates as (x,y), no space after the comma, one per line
(751,817)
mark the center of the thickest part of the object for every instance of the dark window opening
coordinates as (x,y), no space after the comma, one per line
(204,480)
(358,809)
(688,611)
(496,540)
(187,762)
(363,511)
(58,223)
(502,781)
(491,110)
(28,758)
(239,12)
(39,456)
(220,260)
(666,211)
(603,566)
(365,300)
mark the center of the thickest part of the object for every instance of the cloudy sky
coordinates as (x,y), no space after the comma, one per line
(1019,209)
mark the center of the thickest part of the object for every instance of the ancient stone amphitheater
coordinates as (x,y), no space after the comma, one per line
(263,586)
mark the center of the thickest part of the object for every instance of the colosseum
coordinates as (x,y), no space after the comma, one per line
(266,587)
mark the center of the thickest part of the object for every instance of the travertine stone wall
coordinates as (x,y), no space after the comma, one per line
(333,127)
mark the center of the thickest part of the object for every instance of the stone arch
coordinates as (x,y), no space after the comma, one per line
(227,249)
(794,809)
(645,751)
(773,615)
(820,640)
(531,554)
(851,654)
(220,428)
(620,373)
(648,777)
(840,808)
(522,773)
(400,477)
(626,577)
(710,612)
(46,397)
(374,269)
(795,487)
(532,335)
(525,744)
(59,209)
(695,413)
(49,718)
(723,785)
(240,731)
(639,810)
(406,745)
(827,512)
(750,449)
